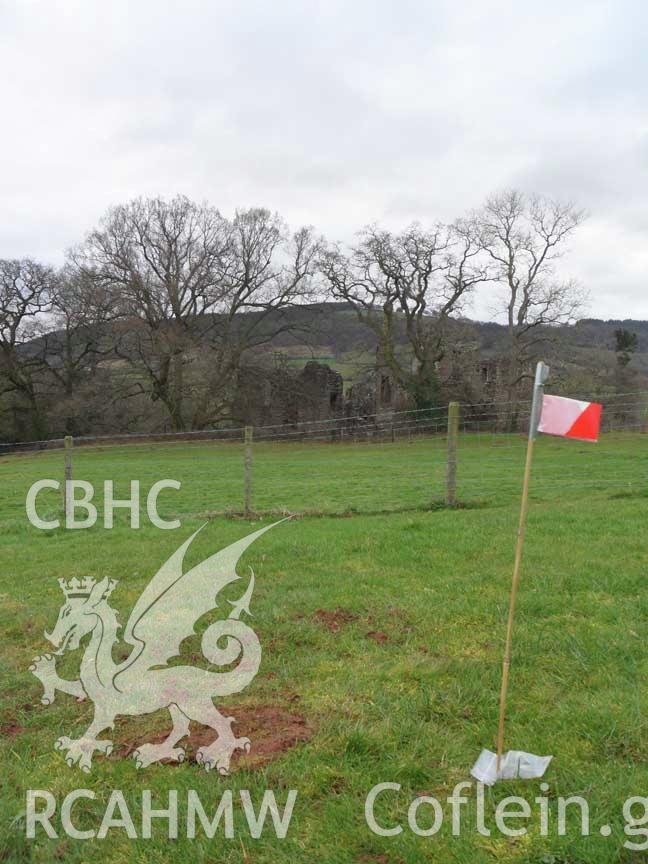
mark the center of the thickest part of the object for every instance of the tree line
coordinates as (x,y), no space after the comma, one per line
(154,315)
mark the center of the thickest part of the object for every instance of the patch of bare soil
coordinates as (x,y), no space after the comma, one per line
(334,619)
(378,636)
(373,859)
(272,731)
(11,730)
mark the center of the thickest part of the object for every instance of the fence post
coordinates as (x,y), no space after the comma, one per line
(249,431)
(451,458)
(67,490)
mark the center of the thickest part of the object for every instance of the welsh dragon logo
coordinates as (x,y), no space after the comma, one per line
(163,616)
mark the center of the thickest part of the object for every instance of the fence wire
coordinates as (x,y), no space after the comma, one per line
(366,463)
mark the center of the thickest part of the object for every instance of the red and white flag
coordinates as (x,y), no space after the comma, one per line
(570,418)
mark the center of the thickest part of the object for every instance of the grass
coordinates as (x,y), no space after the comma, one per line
(414,706)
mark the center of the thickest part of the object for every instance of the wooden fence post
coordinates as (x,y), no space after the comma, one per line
(451,457)
(67,490)
(249,431)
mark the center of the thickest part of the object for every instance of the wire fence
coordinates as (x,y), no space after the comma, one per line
(365,463)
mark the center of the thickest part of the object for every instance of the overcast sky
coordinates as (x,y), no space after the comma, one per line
(334,113)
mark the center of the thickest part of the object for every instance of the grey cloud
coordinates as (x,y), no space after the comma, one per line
(334,113)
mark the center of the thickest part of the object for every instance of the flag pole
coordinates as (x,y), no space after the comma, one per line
(541,375)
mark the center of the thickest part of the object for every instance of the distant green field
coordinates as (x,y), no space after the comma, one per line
(382,636)
(311,477)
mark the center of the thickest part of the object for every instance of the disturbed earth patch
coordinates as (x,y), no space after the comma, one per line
(334,619)
(272,730)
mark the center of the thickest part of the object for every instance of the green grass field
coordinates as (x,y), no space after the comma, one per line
(382,636)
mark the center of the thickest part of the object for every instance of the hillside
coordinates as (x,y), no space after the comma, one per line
(331,333)
(310,363)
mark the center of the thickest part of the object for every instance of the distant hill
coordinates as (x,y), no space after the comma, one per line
(331,332)
(275,375)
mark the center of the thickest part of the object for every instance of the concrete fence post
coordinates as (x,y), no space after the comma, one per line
(249,432)
(451,456)
(68,442)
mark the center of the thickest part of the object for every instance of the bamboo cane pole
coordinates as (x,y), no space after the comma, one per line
(542,372)
(519,546)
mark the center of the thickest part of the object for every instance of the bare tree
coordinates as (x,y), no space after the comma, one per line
(181,276)
(25,299)
(77,338)
(405,287)
(161,262)
(269,271)
(524,237)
